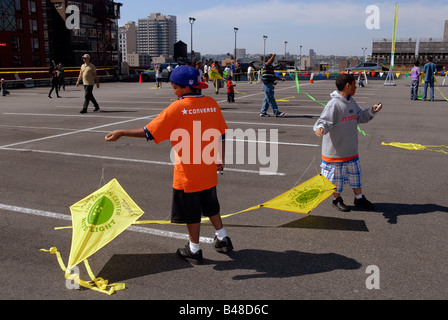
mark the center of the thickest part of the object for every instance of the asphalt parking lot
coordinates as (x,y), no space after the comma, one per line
(51,157)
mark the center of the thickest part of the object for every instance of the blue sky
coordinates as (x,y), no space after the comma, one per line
(328,27)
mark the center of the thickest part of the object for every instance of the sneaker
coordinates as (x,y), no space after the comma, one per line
(280,114)
(185,253)
(365,204)
(264,114)
(83,111)
(96,109)
(339,204)
(224,245)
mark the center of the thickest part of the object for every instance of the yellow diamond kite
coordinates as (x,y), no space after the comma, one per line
(97,220)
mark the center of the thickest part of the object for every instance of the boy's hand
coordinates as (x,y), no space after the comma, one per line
(377,108)
(114,135)
(320,132)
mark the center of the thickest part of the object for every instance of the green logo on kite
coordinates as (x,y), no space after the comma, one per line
(308,196)
(101,211)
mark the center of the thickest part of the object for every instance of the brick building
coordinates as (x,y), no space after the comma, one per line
(34,32)
(22,34)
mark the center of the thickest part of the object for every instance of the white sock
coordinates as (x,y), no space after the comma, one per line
(221,234)
(359,196)
(194,247)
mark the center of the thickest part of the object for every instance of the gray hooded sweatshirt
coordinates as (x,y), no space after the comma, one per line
(340,120)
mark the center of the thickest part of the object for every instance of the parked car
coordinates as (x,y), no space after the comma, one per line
(367,66)
(150,74)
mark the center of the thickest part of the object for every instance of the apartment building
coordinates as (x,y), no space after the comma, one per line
(127,40)
(156,35)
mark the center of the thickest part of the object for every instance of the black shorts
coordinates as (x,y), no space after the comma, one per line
(189,207)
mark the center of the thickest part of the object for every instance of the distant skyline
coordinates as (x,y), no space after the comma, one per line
(328,27)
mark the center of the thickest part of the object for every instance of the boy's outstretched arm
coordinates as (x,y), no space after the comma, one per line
(117,134)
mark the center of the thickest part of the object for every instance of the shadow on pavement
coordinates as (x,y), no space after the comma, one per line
(391,211)
(270,264)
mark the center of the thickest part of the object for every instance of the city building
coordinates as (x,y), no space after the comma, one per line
(23,34)
(127,40)
(96,34)
(407,51)
(156,35)
(445,33)
(138,60)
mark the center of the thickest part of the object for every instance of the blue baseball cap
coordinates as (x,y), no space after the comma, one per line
(187,76)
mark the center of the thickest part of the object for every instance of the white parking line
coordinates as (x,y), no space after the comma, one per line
(47,214)
(71,154)
(74,132)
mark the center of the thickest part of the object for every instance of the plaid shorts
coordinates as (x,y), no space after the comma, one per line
(340,173)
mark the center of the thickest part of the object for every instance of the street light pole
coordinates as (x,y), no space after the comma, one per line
(286,42)
(235,30)
(264,52)
(191,20)
(300,58)
(364,50)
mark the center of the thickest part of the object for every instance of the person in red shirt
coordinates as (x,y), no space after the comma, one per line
(230,90)
(196,128)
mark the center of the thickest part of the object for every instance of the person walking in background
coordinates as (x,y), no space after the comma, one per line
(3,87)
(216,81)
(89,76)
(269,79)
(249,73)
(158,69)
(61,77)
(415,76)
(230,90)
(429,69)
(54,80)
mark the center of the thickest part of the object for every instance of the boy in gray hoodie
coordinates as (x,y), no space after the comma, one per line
(338,125)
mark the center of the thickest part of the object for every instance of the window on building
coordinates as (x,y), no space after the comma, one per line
(33,26)
(34,44)
(7,15)
(15,44)
(35,60)
(88,8)
(19,24)
(17,61)
(32,7)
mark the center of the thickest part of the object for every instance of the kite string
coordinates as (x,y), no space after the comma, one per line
(102,179)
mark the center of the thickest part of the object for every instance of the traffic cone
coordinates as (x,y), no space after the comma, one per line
(140,81)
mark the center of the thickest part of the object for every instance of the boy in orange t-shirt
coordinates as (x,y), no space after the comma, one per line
(195,125)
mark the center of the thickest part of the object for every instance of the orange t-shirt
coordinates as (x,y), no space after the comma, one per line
(194,125)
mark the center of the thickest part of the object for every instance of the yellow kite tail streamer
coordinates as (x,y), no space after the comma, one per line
(202,220)
(437,87)
(416,146)
(301,199)
(97,284)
